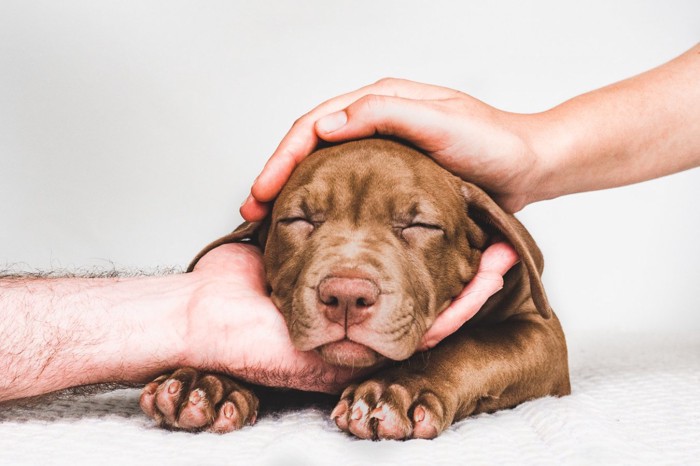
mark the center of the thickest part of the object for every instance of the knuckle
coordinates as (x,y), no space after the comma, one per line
(388,82)
(301,121)
(371,102)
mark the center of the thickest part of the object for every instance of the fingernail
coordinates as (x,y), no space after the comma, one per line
(332,122)
(428,345)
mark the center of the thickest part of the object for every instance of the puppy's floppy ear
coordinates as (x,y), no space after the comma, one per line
(254,233)
(485,212)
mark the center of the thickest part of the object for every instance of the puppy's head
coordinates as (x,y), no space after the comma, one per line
(368,242)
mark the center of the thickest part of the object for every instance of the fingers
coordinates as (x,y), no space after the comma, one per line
(420,122)
(299,142)
(302,138)
(495,262)
(254,210)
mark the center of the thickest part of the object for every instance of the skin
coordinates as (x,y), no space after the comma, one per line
(644,127)
(360,259)
(219,318)
(641,128)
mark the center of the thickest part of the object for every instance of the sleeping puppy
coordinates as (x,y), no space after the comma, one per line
(366,245)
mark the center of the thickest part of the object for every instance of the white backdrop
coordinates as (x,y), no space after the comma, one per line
(131,131)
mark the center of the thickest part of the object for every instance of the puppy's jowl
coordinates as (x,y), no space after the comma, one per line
(366,244)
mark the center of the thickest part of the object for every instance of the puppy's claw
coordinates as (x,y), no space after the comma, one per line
(418,414)
(391,424)
(173,386)
(196,396)
(340,410)
(426,417)
(424,424)
(340,415)
(147,400)
(229,410)
(379,412)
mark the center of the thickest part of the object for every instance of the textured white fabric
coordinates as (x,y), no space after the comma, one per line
(636,400)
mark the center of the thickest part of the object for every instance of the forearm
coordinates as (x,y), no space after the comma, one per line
(64,332)
(641,128)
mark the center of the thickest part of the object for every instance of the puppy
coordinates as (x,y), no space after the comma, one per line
(366,245)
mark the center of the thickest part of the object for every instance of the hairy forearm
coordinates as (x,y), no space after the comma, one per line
(641,128)
(57,333)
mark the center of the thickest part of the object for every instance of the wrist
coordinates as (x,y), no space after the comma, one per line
(151,338)
(550,141)
(226,325)
(134,328)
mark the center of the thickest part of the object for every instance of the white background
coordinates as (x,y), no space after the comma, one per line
(131,131)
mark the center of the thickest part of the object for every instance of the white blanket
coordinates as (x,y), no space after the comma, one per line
(635,400)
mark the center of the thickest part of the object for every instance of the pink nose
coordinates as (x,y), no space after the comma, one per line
(347,301)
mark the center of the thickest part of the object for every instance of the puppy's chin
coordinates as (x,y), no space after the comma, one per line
(349,354)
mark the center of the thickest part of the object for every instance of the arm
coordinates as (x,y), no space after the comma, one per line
(641,128)
(57,333)
(635,130)
(644,127)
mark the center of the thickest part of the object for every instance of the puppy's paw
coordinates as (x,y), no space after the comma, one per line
(196,401)
(379,409)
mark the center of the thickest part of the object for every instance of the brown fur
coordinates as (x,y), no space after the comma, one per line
(376,211)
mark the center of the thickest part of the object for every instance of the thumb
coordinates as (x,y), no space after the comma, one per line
(417,121)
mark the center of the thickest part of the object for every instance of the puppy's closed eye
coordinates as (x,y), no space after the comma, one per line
(418,232)
(298,225)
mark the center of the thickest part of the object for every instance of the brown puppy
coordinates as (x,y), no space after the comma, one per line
(366,244)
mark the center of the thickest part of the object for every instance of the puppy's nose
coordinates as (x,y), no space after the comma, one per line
(347,301)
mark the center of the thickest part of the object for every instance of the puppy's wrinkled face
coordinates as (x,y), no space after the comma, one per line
(367,244)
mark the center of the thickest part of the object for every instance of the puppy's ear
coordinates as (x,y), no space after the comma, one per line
(254,233)
(486,213)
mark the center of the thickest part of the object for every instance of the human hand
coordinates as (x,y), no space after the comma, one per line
(496,260)
(234,328)
(475,141)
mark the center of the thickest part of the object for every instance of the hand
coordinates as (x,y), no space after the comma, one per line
(495,262)
(235,328)
(477,142)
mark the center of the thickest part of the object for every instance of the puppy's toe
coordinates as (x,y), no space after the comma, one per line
(428,416)
(196,412)
(172,392)
(227,420)
(391,422)
(359,421)
(238,410)
(340,415)
(147,400)
(189,400)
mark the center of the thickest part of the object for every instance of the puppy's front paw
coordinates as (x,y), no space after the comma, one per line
(379,409)
(195,401)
